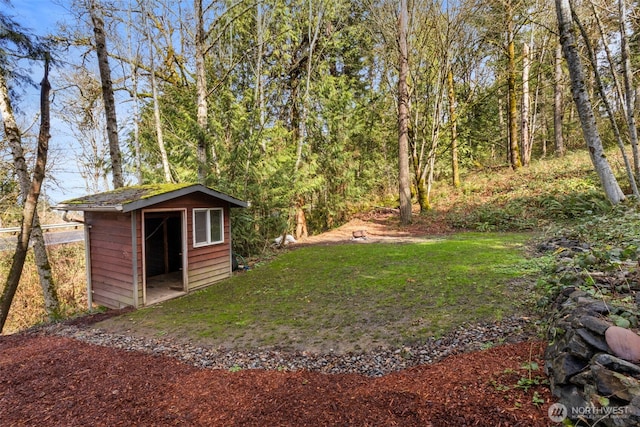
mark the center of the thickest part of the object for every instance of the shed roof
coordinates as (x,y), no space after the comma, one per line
(127,199)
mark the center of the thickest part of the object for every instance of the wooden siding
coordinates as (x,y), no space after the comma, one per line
(206,265)
(139,265)
(111,258)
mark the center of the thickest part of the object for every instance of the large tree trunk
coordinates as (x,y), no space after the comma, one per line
(107,95)
(31,197)
(615,81)
(558,106)
(583,104)
(403,116)
(49,291)
(201,91)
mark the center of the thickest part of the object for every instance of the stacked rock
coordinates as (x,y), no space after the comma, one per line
(592,363)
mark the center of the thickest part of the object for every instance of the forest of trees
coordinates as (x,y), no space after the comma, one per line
(327,106)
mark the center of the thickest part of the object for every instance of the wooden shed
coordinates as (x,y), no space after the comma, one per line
(150,243)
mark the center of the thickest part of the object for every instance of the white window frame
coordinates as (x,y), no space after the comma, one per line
(208,242)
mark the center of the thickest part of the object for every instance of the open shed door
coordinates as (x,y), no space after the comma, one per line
(164,249)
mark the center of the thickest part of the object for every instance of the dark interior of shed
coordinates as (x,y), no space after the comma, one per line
(163,248)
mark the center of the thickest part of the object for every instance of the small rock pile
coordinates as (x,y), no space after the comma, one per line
(592,363)
(564,246)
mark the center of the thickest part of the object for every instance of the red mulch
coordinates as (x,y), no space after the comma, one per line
(55,381)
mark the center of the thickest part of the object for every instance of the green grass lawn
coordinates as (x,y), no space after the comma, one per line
(351,297)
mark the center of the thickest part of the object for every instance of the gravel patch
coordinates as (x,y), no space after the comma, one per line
(374,363)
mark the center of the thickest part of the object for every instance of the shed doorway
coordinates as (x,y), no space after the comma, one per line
(164,250)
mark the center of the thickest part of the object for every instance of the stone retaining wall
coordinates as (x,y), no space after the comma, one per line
(592,363)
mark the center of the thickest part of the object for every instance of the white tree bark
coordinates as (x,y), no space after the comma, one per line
(136,104)
(526,106)
(612,61)
(558,106)
(583,104)
(201,91)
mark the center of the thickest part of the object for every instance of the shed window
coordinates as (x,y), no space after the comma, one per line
(208,226)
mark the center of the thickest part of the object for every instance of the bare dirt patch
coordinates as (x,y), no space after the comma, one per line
(381,225)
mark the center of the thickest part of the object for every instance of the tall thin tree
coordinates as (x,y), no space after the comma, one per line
(558,105)
(403,115)
(313,33)
(154,94)
(512,116)
(526,106)
(201,93)
(455,170)
(95,10)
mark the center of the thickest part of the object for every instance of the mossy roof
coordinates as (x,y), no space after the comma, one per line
(127,199)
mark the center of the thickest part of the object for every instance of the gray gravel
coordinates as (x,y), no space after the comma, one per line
(372,363)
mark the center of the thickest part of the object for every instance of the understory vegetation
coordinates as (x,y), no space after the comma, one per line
(553,191)
(69,274)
